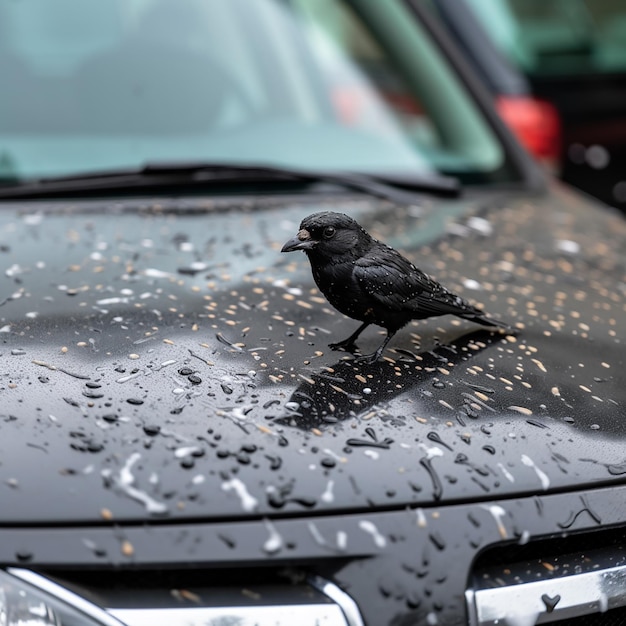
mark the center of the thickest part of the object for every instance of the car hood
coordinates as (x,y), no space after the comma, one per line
(162,360)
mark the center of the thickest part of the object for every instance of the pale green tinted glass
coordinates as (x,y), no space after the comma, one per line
(330,84)
(551,37)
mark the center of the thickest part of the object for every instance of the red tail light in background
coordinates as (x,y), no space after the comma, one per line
(536,123)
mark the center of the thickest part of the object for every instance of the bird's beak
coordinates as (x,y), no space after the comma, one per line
(302,241)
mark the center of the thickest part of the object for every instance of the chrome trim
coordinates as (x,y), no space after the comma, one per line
(64,595)
(342,611)
(348,606)
(470,601)
(285,615)
(546,601)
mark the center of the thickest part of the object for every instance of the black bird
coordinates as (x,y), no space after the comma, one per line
(371,282)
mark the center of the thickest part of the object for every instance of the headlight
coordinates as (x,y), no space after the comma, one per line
(24,605)
(30,599)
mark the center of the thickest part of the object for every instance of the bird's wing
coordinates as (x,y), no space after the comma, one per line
(396,283)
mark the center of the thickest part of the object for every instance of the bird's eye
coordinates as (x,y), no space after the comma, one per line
(329,231)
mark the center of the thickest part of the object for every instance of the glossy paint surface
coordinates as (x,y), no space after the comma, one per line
(162,361)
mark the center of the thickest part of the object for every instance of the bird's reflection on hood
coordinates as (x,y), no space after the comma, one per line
(354,389)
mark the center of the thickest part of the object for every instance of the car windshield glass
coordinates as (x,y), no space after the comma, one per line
(324,84)
(558,36)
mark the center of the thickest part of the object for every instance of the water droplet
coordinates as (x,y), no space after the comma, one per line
(248,502)
(187,451)
(274,542)
(545,481)
(23,555)
(125,482)
(433,436)
(550,602)
(437,541)
(370,529)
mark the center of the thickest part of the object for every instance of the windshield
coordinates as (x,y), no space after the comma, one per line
(351,85)
(557,37)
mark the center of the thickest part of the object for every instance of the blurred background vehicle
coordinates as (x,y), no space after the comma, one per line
(557,70)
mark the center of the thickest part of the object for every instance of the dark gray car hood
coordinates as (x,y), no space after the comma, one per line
(162,360)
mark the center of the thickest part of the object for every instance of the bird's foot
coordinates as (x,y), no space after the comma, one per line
(367,359)
(345,346)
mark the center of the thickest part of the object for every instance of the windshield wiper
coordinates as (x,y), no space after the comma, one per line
(163,177)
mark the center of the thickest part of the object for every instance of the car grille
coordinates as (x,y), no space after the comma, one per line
(544,584)
(611,618)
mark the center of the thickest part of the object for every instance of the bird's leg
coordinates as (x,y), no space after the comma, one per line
(348,344)
(372,358)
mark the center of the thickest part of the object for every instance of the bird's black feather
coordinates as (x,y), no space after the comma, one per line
(370,281)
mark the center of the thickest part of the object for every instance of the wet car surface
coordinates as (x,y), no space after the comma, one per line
(176,434)
(208,352)
(169,373)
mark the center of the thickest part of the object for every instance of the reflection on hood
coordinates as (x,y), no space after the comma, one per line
(165,360)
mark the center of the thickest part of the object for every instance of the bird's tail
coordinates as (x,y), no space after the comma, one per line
(480,318)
